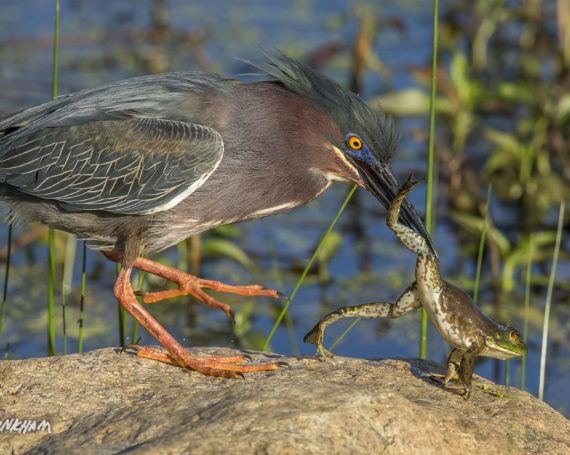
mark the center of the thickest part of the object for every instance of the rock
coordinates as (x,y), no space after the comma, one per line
(106,402)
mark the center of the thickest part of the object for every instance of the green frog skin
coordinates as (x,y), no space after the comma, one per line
(452,312)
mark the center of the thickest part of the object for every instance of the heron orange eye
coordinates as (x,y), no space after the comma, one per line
(354,142)
(515,336)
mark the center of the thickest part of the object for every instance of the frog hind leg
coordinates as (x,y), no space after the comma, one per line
(407,302)
(409,238)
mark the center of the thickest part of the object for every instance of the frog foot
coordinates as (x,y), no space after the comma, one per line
(323,352)
(408,185)
(315,336)
(466,393)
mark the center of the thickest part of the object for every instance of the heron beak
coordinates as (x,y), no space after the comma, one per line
(379,180)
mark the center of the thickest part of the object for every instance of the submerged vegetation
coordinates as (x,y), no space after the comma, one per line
(502,121)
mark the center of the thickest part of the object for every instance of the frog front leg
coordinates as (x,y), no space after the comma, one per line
(407,302)
(465,372)
(460,365)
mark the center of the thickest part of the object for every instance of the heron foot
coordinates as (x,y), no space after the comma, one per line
(227,366)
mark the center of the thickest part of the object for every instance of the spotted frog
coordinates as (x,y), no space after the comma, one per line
(451,310)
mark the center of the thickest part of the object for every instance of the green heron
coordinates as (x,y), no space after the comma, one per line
(136,166)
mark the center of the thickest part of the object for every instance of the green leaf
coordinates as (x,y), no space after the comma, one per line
(229,230)
(519,256)
(469,90)
(499,161)
(225,248)
(563,109)
(411,101)
(505,141)
(248,337)
(458,73)
(476,224)
(253,339)
(515,91)
(242,318)
(330,247)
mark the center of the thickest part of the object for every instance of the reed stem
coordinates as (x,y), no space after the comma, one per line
(548,303)
(430,176)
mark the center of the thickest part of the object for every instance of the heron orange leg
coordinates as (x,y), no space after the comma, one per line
(214,366)
(191,285)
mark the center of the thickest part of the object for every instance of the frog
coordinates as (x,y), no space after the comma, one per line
(450,309)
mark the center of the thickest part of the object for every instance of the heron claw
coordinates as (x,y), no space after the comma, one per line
(133,346)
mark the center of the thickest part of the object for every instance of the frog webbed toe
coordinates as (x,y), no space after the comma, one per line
(315,336)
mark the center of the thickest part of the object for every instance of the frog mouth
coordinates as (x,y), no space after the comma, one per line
(502,353)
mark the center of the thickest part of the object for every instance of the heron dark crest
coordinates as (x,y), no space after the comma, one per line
(138,165)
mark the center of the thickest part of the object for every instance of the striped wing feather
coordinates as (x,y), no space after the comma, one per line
(128,166)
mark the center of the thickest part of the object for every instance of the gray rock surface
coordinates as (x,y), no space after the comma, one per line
(105,402)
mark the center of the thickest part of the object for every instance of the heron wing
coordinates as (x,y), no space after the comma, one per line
(125,166)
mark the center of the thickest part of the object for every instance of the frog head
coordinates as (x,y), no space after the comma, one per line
(504,343)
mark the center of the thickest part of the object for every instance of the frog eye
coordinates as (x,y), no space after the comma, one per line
(354,142)
(515,336)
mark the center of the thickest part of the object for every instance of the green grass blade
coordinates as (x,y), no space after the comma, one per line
(481,246)
(63,317)
(55,52)
(548,302)
(122,318)
(182,249)
(430,177)
(66,281)
(51,266)
(140,287)
(135,327)
(480,262)
(51,291)
(304,274)
(82,298)
(341,336)
(6,277)
(526,306)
